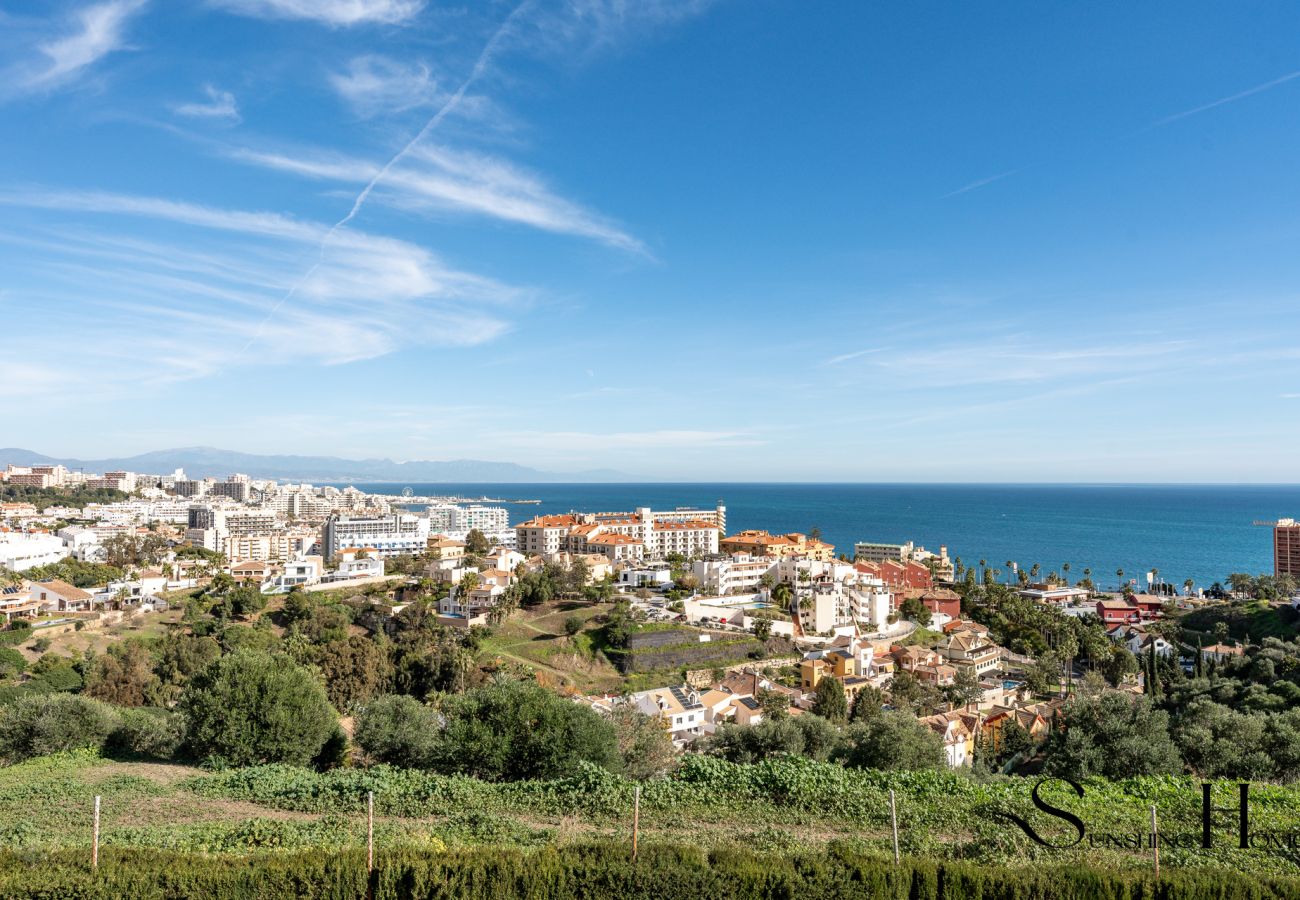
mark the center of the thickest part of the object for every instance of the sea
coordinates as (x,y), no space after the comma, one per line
(1202,532)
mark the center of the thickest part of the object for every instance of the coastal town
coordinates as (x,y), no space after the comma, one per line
(702,630)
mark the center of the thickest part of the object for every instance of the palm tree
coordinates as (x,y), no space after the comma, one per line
(983,563)
(1087,574)
(1010,563)
(1065,567)
(1119,573)
(1187,585)
(1034,570)
(783,597)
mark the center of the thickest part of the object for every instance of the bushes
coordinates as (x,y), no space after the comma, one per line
(399,730)
(15,634)
(11,662)
(503,731)
(41,724)
(154,733)
(251,708)
(663,872)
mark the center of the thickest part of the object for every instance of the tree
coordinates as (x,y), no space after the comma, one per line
(573,625)
(762,629)
(476,542)
(1116,736)
(1013,738)
(893,740)
(124,676)
(400,731)
(644,746)
(355,670)
(1067,645)
(965,688)
(908,692)
(250,708)
(511,730)
(830,702)
(869,703)
(1119,573)
(783,597)
(912,608)
(775,704)
(1120,666)
(297,606)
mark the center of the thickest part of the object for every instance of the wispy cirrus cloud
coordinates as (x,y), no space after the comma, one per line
(374,84)
(219,105)
(336,13)
(441,179)
(192,313)
(92,33)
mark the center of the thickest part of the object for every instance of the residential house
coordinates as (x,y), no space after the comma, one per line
(678,708)
(251,571)
(939,601)
(1139,641)
(444,548)
(1222,652)
(924,665)
(59,596)
(972,651)
(958,731)
(1118,612)
(1029,717)
(16,601)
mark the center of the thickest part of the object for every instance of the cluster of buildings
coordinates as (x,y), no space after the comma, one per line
(745,697)
(624,537)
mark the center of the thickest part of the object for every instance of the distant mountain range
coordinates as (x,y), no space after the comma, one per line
(202,462)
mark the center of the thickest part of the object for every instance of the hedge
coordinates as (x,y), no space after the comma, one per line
(597,871)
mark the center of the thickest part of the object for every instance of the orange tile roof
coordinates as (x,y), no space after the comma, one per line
(613,539)
(559,521)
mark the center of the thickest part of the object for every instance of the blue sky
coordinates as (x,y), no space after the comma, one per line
(742,239)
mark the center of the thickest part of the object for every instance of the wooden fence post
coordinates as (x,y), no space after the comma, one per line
(636,819)
(893,821)
(94,840)
(1155,841)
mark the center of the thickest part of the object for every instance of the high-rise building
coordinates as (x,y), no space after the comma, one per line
(1286,548)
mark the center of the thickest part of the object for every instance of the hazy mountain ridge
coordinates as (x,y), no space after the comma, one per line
(201,462)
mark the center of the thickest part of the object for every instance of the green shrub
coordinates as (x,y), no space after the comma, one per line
(251,708)
(41,724)
(154,733)
(15,634)
(11,662)
(398,730)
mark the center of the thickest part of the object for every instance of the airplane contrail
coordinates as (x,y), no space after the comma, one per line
(480,66)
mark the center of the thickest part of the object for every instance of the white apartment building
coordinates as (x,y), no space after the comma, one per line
(740,573)
(386,535)
(20,552)
(269,546)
